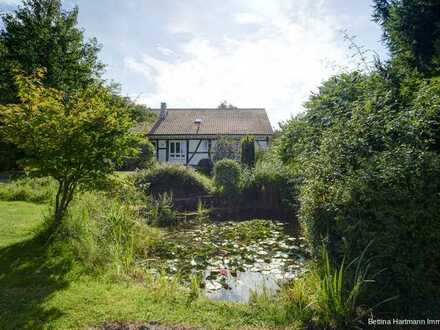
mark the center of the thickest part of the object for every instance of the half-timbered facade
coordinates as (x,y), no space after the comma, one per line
(186,136)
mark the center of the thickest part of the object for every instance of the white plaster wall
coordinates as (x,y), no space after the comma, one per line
(197,157)
(202,148)
(162,155)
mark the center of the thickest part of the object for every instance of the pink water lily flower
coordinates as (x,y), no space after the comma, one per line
(223,272)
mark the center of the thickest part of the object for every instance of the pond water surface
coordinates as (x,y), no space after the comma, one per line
(234,259)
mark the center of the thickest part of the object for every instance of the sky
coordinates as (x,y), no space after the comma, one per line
(252,53)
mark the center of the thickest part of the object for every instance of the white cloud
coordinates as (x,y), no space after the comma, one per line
(248,18)
(276,66)
(165,51)
(10,2)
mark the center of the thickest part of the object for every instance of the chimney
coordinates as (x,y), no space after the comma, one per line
(163,110)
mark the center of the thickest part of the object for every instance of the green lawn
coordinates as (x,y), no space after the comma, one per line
(42,292)
(17,221)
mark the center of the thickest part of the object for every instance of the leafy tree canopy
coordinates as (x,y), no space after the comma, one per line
(412,32)
(41,34)
(77,139)
(225,105)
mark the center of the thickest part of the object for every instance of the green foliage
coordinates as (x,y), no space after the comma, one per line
(366,157)
(225,147)
(162,213)
(138,113)
(45,287)
(337,304)
(143,160)
(41,190)
(412,32)
(225,105)
(248,151)
(8,156)
(333,296)
(205,166)
(76,140)
(271,186)
(202,213)
(57,45)
(102,233)
(228,177)
(178,180)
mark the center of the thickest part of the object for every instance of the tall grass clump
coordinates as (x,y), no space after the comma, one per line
(333,296)
(338,293)
(35,190)
(162,213)
(102,232)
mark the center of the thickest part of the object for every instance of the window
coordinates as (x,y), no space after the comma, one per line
(177,151)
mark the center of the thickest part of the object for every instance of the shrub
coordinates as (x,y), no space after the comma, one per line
(177,180)
(367,156)
(162,213)
(36,190)
(248,151)
(205,166)
(274,180)
(228,177)
(270,187)
(9,155)
(145,158)
(226,148)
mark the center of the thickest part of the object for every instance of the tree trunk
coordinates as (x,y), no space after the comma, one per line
(63,198)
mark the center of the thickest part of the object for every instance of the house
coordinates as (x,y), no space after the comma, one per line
(186,136)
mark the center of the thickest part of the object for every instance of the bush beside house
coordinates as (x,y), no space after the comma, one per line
(248,154)
(227,178)
(178,180)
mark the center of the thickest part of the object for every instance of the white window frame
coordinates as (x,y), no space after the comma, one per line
(175,156)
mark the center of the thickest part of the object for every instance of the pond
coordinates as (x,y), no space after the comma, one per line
(234,259)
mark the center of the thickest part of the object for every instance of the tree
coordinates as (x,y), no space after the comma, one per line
(138,113)
(41,34)
(225,105)
(248,151)
(412,32)
(368,160)
(77,139)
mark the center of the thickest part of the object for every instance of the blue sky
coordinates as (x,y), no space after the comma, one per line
(252,53)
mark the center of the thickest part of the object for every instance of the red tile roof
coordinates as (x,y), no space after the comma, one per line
(213,122)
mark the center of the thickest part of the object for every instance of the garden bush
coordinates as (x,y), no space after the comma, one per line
(228,177)
(145,158)
(248,151)
(366,156)
(205,166)
(226,148)
(177,180)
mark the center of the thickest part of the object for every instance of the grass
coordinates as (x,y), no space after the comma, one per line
(93,271)
(42,290)
(37,190)
(18,220)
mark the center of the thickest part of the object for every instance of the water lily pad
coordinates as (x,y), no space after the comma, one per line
(211,285)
